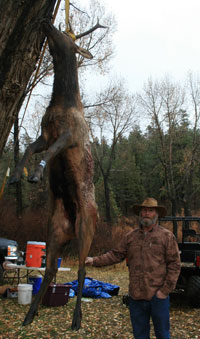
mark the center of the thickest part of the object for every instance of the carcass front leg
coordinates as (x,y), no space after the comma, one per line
(36,147)
(38,174)
(59,145)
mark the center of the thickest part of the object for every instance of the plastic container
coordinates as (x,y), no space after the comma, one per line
(36,281)
(12,292)
(56,295)
(24,293)
(59,262)
(34,253)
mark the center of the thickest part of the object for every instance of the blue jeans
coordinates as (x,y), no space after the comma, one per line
(142,310)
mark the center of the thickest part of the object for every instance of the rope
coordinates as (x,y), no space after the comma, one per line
(67,29)
(67,14)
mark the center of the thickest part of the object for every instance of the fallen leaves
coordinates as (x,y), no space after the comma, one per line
(102,318)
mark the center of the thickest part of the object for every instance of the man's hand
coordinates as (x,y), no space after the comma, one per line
(160,295)
(89,261)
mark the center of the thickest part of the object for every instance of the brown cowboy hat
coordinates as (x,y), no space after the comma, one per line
(151,203)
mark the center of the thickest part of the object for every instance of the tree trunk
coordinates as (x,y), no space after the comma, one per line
(175,226)
(107,199)
(19,204)
(20,43)
(187,212)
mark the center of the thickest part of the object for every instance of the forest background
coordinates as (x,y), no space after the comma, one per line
(143,144)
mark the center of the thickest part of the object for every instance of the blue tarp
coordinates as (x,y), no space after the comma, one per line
(94,288)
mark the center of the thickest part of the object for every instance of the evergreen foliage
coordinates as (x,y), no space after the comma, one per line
(136,171)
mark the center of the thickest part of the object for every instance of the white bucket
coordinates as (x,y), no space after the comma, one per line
(25,293)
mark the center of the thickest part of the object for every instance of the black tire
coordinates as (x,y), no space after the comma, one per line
(193,290)
(1,275)
(125,300)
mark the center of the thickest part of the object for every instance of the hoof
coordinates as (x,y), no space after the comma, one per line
(33,179)
(27,321)
(76,322)
(13,180)
(76,325)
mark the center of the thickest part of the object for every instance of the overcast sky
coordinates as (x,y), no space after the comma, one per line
(155,38)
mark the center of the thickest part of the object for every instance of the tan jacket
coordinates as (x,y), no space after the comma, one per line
(153,261)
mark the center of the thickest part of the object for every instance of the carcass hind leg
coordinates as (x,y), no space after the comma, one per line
(77,316)
(56,241)
(51,270)
(49,274)
(85,230)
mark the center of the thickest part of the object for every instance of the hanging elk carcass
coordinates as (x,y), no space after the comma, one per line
(65,140)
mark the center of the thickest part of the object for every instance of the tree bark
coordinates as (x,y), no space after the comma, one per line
(20,44)
(19,202)
(175,225)
(107,199)
(187,211)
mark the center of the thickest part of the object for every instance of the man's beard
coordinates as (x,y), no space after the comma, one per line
(147,222)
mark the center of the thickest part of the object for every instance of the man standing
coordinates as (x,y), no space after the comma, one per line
(154,267)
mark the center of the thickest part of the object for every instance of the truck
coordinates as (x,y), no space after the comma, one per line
(189,246)
(8,252)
